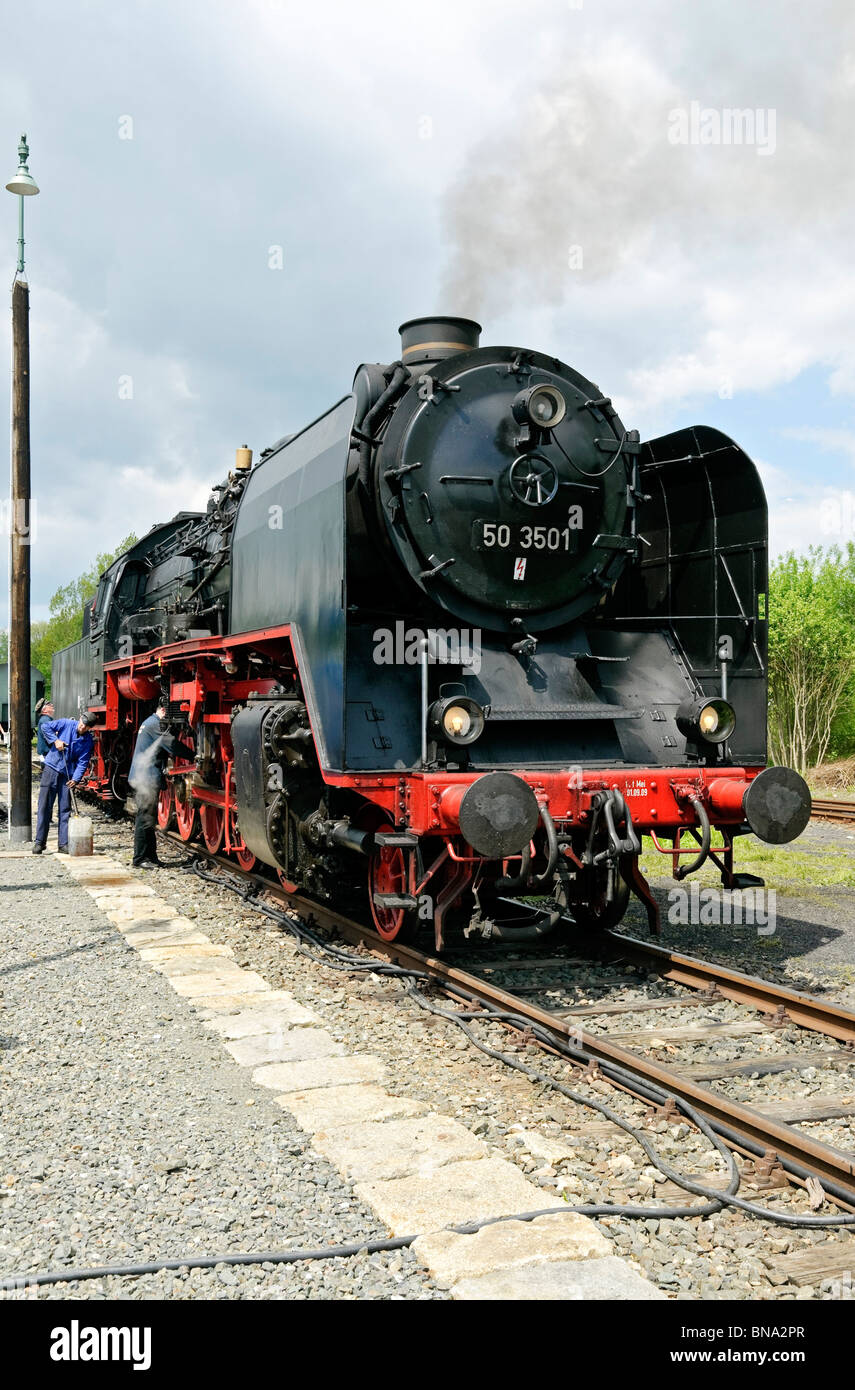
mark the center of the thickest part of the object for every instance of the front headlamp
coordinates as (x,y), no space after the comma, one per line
(457,720)
(543,406)
(711,720)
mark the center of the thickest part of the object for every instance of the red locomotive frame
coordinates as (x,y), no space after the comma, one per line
(203,680)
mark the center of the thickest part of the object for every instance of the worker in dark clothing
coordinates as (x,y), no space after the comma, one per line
(70,747)
(44,716)
(154,747)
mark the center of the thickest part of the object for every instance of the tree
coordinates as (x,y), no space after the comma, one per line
(811,651)
(65,624)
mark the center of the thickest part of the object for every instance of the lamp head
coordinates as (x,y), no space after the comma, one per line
(23,183)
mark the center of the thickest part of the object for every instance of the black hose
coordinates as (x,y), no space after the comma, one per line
(273,1257)
(215,569)
(654,1094)
(602,472)
(533,931)
(606,1111)
(683,870)
(399,376)
(544,879)
(514,883)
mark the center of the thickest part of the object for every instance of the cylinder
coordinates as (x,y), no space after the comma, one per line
(243,459)
(497,814)
(727,795)
(431,339)
(449,806)
(347,836)
(137,687)
(776,803)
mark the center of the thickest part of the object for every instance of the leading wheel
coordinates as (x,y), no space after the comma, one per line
(165,807)
(213,827)
(245,858)
(599,915)
(387,877)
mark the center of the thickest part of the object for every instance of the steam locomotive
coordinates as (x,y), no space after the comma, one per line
(449,650)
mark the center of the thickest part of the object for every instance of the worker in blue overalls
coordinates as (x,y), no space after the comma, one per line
(71,746)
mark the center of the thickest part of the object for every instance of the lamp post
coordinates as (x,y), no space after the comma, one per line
(23,185)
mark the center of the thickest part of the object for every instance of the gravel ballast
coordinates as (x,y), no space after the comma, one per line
(129,1135)
(558,1145)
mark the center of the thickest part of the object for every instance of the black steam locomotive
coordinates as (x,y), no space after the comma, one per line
(456,643)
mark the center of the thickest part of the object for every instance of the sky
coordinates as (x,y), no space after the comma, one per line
(240,202)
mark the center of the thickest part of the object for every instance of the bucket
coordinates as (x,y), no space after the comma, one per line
(80,835)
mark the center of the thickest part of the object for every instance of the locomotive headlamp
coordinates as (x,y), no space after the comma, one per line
(712,720)
(542,406)
(457,720)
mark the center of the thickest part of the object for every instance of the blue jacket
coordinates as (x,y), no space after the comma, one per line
(77,752)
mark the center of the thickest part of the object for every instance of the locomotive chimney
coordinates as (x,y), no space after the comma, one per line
(424,341)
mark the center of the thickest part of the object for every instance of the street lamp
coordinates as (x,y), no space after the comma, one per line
(20,764)
(25,186)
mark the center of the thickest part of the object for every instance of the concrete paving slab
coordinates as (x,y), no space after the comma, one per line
(103,873)
(132,909)
(180,950)
(509,1245)
(164,933)
(227,999)
(153,924)
(344,1105)
(567,1280)
(323,1071)
(270,1017)
(455,1194)
(108,892)
(198,961)
(398,1148)
(288,1045)
(204,984)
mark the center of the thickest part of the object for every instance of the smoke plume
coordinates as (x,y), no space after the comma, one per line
(589,175)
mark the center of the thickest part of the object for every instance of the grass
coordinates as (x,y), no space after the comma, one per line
(783,867)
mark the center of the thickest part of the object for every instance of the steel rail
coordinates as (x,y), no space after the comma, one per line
(830,809)
(787,1005)
(748,1129)
(765,1134)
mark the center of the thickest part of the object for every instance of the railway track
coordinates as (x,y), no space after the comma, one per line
(767,1135)
(769,1138)
(831,809)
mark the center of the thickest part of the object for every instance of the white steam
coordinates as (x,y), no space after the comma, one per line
(586,166)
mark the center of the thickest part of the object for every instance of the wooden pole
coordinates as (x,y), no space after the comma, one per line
(20,713)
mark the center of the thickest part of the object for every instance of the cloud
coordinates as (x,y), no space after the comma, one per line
(376,145)
(578,198)
(833,441)
(803,511)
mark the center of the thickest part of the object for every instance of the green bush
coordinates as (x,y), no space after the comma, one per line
(65,624)
(811,656)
